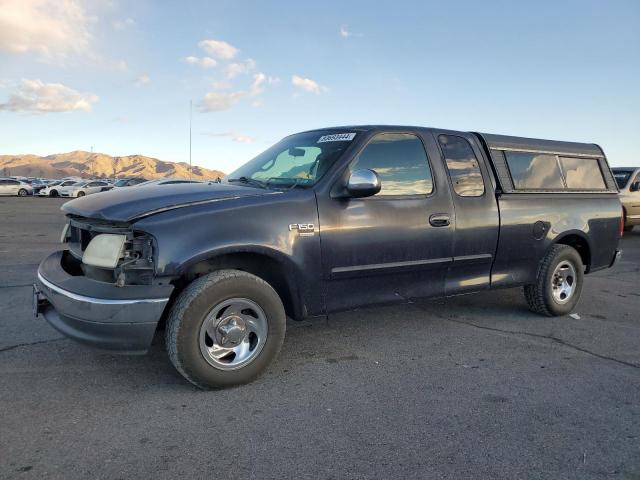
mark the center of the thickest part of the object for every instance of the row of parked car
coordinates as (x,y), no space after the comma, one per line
(74,187)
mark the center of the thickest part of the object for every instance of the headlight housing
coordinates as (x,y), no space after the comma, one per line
(104,250)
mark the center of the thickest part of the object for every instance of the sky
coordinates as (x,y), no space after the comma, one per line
(119,77)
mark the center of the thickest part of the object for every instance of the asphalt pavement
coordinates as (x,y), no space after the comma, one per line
(473,387)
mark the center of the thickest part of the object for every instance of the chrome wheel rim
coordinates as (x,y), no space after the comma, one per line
(563,282)
(233,333)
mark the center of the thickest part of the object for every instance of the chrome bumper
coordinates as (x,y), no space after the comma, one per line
(98,314)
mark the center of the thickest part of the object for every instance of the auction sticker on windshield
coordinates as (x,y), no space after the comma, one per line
(337,137)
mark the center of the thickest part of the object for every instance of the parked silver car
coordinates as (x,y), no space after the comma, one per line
(628,180)
(11,186)
(81,189)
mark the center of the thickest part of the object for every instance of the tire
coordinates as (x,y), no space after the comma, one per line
(22,192)
(201,306)
(80,194)
(540,295)
(628,228)
(54,193)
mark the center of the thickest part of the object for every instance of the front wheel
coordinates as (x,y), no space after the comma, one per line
(53,193)
(558,282)
(224,329)
(80,194)
(22,192)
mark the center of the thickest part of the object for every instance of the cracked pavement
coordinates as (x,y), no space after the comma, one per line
(472,387)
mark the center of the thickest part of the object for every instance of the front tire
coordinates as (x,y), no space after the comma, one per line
(224,329)
(80,194)
(22,192)
(53,193)
(558,282)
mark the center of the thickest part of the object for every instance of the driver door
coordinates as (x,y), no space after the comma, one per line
(388,247)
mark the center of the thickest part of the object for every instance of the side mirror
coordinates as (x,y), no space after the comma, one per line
(363,183)
(634,187)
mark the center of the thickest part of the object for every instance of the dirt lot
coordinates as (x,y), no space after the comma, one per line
(472,387)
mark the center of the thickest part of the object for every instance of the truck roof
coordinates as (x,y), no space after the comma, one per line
(501,142)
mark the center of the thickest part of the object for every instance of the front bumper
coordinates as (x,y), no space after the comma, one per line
(121,319)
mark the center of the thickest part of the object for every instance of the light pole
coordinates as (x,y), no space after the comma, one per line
(190,116)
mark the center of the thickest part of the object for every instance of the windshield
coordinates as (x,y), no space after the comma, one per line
(622,177)
(121,183)
(298,160)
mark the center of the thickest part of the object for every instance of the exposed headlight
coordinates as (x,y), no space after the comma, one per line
(104,250)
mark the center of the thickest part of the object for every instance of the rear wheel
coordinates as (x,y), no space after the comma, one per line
(224,329)
(628,228)
(558,283)
(22,192)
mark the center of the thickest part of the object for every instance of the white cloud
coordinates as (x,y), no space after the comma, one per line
(234,136)
(219,49)
(219,101)
(346,33)
(142,80)
(53,29)
(35,96)
(307,85)
(234,69)
(204,62)
(124,23)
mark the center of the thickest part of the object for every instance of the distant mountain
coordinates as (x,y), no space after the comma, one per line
(93,165)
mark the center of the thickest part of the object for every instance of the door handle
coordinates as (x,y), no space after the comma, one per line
(439,220)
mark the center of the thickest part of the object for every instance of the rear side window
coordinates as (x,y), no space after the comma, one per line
(400,161)
(534,171)
(462,165)
(582,173)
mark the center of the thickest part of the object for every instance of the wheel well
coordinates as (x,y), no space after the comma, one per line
(267,268)
(581,246)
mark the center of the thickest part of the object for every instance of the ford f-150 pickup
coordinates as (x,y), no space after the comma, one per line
(328,220)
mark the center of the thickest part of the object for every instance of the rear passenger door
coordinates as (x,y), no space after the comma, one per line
(477,220)
(383,248)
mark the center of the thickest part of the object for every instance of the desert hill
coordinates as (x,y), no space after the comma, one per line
(92,165)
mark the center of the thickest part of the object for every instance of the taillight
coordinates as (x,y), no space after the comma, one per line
(621,228)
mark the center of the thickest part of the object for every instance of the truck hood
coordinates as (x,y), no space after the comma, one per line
(130,203)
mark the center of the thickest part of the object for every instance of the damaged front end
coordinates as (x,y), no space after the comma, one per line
(100,290)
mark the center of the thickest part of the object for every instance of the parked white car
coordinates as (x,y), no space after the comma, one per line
(11,186)
(53,189)
(81,189)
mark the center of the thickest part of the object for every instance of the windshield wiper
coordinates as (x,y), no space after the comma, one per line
(294,182)
(248,181)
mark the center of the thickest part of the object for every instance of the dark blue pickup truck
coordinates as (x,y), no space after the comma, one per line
(328,220)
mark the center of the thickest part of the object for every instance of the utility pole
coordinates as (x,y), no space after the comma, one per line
(190,121)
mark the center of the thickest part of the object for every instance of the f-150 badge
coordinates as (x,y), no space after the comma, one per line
(304,229)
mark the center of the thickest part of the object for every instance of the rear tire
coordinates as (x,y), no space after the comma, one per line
(195,331)
(558,282)
(22,192)
(628,228)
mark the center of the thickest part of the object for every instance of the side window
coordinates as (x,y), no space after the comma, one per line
(534,171)
(14,182)
(463,166)
(582,173)
(400,161)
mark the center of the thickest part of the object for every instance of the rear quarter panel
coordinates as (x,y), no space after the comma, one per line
(532,223)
